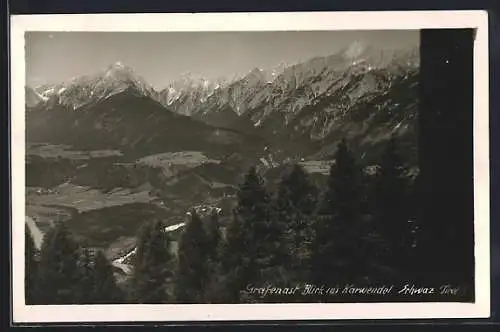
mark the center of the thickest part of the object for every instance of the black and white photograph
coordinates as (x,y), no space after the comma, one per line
(258,167)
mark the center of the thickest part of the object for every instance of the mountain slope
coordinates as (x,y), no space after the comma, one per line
(86,89)
(32,97)
(133,123)
(186,92)
(360,91)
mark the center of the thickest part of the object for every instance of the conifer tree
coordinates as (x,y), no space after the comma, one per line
(215,245)
(84,287)
(339,248)
(192,274)
(30,267)
(214,238)
(152,265)
(104,290)
(392,210)
(255,239)
(295,203)
(234,262)
(58,273)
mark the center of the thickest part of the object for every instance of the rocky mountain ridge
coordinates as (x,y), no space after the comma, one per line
(362,92)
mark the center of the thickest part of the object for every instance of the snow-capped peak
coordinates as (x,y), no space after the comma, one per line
(190,89)
(118,66)
(32,97)
(84,89)
(354,50)
(119,71)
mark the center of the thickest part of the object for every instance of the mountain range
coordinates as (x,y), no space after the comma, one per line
(362,93)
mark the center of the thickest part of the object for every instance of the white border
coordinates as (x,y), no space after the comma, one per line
(254,22)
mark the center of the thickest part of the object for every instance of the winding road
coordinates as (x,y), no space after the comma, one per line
(120,262)
(36,233)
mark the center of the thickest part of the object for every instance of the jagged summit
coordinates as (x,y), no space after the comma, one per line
(119,68)
(376,57)
(118,64)
(354,50)
(187,91)
(256,70)
(85,89)
(120,71)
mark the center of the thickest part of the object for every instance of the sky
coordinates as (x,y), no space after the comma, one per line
(161,57)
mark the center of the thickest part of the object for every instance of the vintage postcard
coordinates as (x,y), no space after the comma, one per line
(249,166)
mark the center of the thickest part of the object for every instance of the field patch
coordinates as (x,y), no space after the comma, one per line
(64,151)
(172,163)
(86,199)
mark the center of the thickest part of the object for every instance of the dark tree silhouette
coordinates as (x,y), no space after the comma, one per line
(58,273)
(192,271)
(152,265)
(84,288)
(339,249)
(392,210)
(295,204)
(30,267)
(215,247)
(214,238)
(104,289)
(254,247)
